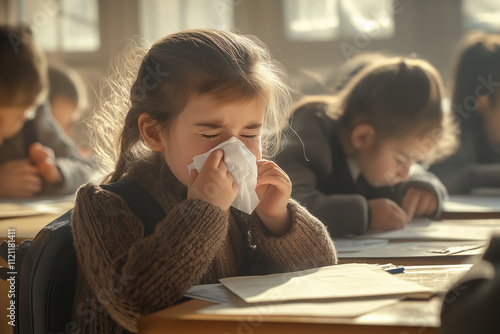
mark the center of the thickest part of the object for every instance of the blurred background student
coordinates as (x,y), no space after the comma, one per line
(68,100)
(352,157)
(475,104)
(35,157)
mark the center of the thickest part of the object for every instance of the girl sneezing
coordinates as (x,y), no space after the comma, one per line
(193,90)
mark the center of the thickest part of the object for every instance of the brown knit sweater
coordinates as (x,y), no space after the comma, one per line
(123,275)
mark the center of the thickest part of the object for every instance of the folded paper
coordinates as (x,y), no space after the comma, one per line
(242,165)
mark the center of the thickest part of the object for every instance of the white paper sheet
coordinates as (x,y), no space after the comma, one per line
(419,249)
(426,229)
(215,293)
(356,245)
(340,281)
(340,308)
(472,203)
(230,304)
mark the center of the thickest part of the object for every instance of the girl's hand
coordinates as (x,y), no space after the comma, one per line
(273,189)
(45,162)
(214,183)
(419,203)
(386,215)
(19,179)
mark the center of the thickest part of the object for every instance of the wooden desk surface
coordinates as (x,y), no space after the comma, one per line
(409,316)
(28,227)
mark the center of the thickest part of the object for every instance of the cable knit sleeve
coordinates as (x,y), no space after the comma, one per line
(130,274)
(306,245)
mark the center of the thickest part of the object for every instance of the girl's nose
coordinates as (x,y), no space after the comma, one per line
(223,137)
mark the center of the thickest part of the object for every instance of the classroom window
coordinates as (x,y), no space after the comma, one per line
(328,20)
(63,26)
(481,14)
(161,17)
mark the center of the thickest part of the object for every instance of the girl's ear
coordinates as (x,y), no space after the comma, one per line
(363,137)
(150,133)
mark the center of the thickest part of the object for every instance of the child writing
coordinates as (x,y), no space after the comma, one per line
(351,157)
(35,158)
(193,90)
(476,107)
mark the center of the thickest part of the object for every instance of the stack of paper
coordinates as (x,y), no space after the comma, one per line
(409,249)
(472,203)
(346,290)
(419,238)
(427,229)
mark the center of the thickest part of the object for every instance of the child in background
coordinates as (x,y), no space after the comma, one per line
(193,90)
(476,107)
(68,98)
(352,157)
(35,158)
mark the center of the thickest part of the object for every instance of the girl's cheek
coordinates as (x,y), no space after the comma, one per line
(388,171)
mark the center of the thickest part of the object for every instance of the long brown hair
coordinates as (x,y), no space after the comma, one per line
(225,64)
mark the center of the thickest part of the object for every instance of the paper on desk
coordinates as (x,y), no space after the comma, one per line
(472,203)
(230,304)
(340,281)
(426,229)
(419,249)
(215,293)
(321,308)
(357,245)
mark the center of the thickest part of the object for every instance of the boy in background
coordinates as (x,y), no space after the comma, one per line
(35,157)
(68,99)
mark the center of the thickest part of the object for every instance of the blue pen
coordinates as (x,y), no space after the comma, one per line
(393,269)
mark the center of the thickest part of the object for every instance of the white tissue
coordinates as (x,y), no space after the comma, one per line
(242,165)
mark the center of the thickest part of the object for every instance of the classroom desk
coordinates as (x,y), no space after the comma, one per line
(405,317)
(28,227)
